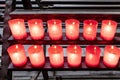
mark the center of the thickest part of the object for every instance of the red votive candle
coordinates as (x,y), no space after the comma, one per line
(72,29)
(17,28)
(17,55)
(92,58)
(108,29)
(55,29)
(56,56)
(36,55)
(90,29)
(36,28)
(74,55)
(111,56)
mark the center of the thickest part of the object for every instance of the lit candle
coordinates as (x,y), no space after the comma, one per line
(56,56)
(90,29)
(17,55)
(74,55)
(111,56)
(92,58)
(17,28)
(72,29)
(108,29)
(36,55)
(36,28)
(55,29)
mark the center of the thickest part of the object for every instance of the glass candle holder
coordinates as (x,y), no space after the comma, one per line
(56,56)
(36,28)
(17,55)
(108,29)
(18,28)
(90,29)
(74,55)
(55,29)
(111,56)
(72,29)
(92,57)
(36,55)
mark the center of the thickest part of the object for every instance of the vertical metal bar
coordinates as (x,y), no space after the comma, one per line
(39,4)
(45,75)
(13,5)
(6,33)
(9,74)
(27,4)
(59,78)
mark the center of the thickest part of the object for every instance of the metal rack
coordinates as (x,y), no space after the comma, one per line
(46,12)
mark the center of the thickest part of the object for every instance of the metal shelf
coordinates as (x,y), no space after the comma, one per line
(64,41)
(66,67)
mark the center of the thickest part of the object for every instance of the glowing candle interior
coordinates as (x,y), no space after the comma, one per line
(111,56)
(55,29)
(17,55)
(108,29)
(17,28)
(56,56)
(90,29)
(92,58)
(72,29)
(36,55)
(74,55)
(36,28)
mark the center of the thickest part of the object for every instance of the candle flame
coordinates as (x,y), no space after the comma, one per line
(90,24)
(16,46)
(75,47)
(35,46)
(73,22)
(94,49)
(18,22)
(109,23)
(35,22)
(55,46)
(54,22)
(112,47)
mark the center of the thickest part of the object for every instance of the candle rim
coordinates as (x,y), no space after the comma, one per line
(13,48)
(70,49)
(115,49)
(32,21)
(113,22)
(51,21)
(32,49)
(14,20)
(90,48)
(72,20)
(58,51)
(88,21)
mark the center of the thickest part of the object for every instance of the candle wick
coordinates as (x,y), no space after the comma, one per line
(16,46)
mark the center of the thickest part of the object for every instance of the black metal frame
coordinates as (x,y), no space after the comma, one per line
(45,14)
